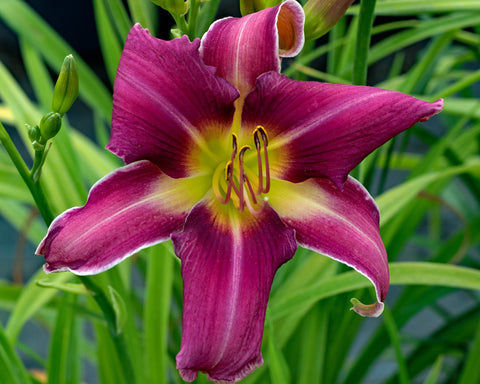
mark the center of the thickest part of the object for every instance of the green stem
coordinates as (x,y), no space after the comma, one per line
(192,18)
(47,216)
(365,21)
(24,172)
(181,23)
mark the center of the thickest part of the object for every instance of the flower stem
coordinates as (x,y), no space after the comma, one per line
(24,172)
(181,23)
(46,213)
(192,18)
(365,21)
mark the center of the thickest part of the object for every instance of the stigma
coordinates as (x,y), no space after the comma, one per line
(239,184)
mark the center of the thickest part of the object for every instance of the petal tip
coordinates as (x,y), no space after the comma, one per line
(436,108)
(367,310)
(290,21)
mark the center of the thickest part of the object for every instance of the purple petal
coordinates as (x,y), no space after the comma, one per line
(129,209)
(243,48)
(325,130)
(166,102)
(228,263)
(343,225)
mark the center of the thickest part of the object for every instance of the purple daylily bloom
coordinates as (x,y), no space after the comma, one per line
(237,164)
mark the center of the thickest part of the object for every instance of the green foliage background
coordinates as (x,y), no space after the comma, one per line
(310,334)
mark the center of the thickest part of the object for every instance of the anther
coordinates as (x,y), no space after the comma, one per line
(234,145)
(260,131)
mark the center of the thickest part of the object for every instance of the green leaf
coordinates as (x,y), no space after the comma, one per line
(395,340)
(462,106)
(119,308)
(414,273)
(11,369)
(109,365)
(422,31)
(37,74)
(432,377)
(392,201)
(78,289)
(17,15)
(120,18)
(418,7)
(278,367)
(313,346)
(31,300)
(111,47)
(470,372)
(157,309)
(143,12)
(12,186)
(362,43)
(64,359)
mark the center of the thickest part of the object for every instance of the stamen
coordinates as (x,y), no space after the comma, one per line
(241,177)
(216,185)
(250,189)
(234,145)
(244,191)
(259,161)
(263,133)
(250,207)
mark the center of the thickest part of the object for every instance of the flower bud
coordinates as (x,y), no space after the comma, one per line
(322,15)
(66,87)
(179,7)
(50,125)
(33,133)
(251,6)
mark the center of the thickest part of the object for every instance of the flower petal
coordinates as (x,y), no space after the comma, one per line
(325,130)
(228,263)
(166,102)
(343,225)
(243,48)
(129,209)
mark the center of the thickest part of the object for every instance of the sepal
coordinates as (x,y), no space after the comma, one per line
(322,15)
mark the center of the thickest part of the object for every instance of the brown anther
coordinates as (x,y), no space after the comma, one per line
(260,131)
(228,170)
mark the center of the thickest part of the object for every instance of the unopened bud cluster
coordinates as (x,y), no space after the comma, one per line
(64,95)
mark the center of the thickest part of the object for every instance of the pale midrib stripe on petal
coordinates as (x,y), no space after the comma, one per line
(237,55)
(120,212)
(283,139)
(235,287)
(324,208)
(173,111)
(304,197)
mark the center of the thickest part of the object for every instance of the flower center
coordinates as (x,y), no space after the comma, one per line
(239,184)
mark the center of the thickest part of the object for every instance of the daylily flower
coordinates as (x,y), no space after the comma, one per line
(237,164)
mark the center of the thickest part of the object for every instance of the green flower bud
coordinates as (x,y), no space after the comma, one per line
(322,15)
(179,7)
(50,125)
(251,6)
(33,133)
(66,87)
